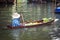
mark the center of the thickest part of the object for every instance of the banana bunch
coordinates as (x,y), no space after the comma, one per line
(46,19)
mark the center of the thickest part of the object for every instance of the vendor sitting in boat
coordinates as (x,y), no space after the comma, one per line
(15,19)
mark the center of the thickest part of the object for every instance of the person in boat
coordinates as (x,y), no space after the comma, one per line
(15,19)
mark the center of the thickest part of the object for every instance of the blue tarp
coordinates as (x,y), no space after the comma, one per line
(57,9)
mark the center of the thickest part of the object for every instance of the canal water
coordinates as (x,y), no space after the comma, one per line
(30,12)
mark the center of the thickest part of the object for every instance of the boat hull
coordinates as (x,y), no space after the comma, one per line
(30,26)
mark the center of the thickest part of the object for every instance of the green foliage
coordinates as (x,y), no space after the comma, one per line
(46,19)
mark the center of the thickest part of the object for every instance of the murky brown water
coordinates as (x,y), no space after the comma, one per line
(30,12)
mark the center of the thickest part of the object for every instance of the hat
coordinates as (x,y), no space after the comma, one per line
(15,15)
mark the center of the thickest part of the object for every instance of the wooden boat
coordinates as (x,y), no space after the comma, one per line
(30,25)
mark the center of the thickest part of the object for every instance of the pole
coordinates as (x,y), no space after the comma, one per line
(16,5)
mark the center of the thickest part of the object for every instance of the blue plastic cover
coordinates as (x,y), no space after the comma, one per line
(57,9)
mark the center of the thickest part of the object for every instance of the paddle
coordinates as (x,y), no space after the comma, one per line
(22,18)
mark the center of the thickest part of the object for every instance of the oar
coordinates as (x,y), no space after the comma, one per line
(22,18)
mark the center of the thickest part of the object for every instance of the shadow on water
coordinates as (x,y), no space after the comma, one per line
(2,5)
(5,15)
(57,16)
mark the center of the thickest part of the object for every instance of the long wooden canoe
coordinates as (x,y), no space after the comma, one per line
(30,25)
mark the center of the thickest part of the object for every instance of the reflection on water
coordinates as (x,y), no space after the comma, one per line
(15,34)
(30,34)
(39,33)
(5,17)
(58,17)
(31,11)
